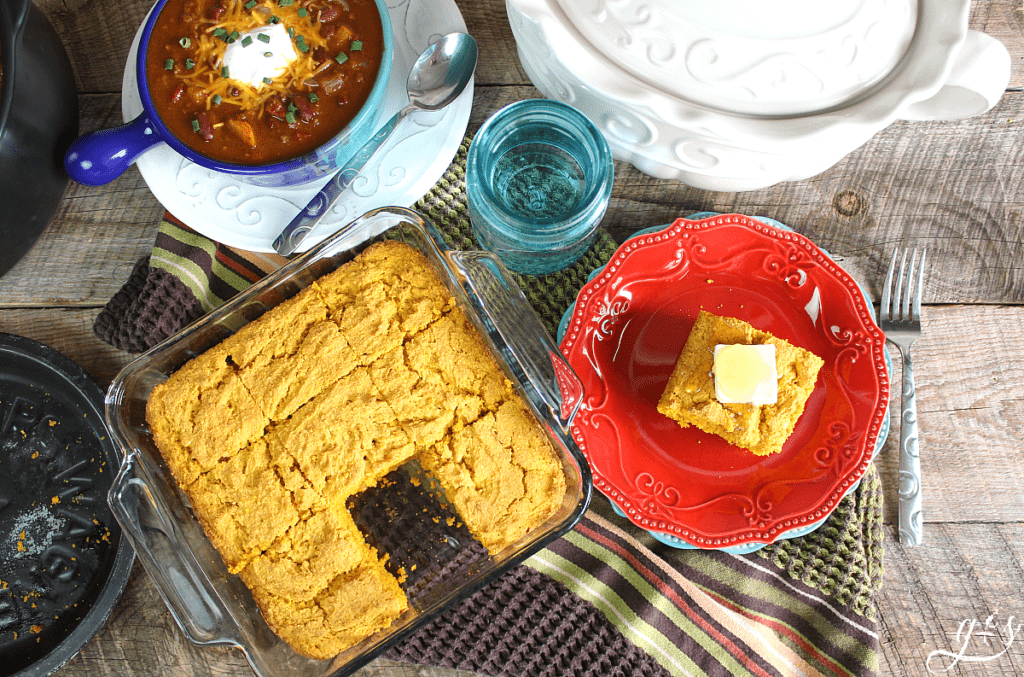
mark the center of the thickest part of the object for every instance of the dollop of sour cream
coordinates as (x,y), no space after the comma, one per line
(252,60)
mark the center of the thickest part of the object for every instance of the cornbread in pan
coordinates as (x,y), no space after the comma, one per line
(270,432)
(497,473)
(689,396)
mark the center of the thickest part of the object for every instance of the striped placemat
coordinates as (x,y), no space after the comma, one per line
(607,599)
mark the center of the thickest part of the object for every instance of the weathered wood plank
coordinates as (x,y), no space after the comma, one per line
(971,416)
(964,572)
(88,250)
(69,332)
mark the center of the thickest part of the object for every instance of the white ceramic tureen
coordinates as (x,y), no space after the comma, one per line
(742,94)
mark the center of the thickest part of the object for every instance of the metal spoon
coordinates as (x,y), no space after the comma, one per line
(437,78)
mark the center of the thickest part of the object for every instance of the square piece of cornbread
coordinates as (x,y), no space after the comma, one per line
(689,397)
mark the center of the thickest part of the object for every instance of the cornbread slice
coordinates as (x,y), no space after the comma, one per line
(243,506)
(443,377)
(302,562)
(354,606)
(689,396)
(278,332)
(410,282)
(201,414)
(299,371)
(343,441)
(500,473)
(384,296)
(366,316)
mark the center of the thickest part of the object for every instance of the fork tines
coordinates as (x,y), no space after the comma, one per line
(907,306)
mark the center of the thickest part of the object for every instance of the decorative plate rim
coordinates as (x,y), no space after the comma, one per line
(774,529)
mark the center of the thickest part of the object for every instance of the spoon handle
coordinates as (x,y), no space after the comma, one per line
(304,222)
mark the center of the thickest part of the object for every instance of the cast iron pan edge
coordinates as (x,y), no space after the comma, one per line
(52,434)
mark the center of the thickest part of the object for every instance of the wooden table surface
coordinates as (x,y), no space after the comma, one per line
(953,187)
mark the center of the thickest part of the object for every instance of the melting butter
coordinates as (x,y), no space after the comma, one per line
(746,374)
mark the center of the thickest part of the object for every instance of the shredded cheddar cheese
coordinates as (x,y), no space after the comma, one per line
(207,52)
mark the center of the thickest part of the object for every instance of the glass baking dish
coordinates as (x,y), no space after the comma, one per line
(213,607)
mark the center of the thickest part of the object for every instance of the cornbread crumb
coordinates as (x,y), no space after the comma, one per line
(270,432)
(689,396)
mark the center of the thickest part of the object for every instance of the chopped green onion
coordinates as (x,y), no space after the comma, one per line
(267,81)
(284,3)
(303,12)
(357,45)
(291,107)
(268,54)
(195,125)
(274,19)
(303,47)
(313,97)
(185,42)
(224,73)
(190,64)
(341,58)
(234,35)
(246,41)
(169,65)
(290,117)
(217,99)
(291,32)
(263,37)
(250,4)
(219,32)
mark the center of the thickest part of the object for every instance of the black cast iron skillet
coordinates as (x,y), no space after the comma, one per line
(63,560)
(38,122)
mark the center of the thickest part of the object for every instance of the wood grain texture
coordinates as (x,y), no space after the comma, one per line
(69,332)
(964,572)
(88,250)
(971,416)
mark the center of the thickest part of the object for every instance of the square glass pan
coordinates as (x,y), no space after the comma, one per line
(213,607)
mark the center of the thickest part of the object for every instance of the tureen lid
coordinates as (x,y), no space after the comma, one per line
(751,57)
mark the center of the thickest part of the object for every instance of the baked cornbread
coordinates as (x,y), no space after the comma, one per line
(689,396)
(270,432)
(499,474)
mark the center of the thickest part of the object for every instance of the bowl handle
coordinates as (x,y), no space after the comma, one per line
(100,157)
(524,342)
(140,508)
(979,77)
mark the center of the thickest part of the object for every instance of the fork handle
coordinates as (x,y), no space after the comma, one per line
(910,519)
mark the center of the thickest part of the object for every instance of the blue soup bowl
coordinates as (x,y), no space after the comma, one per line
(97,158)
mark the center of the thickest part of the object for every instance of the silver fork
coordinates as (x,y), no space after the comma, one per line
(902,326)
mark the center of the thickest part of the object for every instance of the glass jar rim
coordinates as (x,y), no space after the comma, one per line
(595,196)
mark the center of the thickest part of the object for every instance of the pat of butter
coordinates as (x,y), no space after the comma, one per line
(746,374)
(251,60)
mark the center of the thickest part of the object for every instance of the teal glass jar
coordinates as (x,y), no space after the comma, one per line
(538,180)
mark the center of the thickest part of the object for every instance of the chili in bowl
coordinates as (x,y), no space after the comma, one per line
(280,92)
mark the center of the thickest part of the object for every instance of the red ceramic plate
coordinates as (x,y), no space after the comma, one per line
(623,339)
